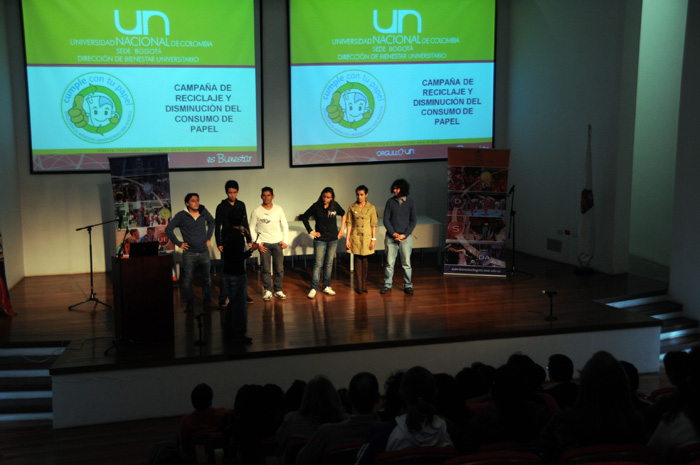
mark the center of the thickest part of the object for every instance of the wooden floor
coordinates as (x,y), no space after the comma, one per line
(444,308)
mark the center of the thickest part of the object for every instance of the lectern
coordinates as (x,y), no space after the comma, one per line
(143,298)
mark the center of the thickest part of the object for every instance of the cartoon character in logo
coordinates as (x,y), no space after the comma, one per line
(350,106)
(96,109)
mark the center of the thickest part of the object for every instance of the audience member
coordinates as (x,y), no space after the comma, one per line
(393,405)
(602,413)
(681,424)
(514,417)
(675,363)
(640,405)
(363,394)
(293,396)
(420,426)
(561,373)
(320,404)
(204,419)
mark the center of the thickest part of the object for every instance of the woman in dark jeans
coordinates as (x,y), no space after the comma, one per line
(326,212)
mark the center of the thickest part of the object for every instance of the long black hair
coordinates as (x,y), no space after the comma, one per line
(332,205)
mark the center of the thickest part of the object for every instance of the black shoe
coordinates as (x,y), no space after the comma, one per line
(359,291)
(249,299)
(222,301)
(189,308)
(408,290)
(385,290)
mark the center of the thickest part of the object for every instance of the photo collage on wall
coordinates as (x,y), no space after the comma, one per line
(476,226)
(141,190)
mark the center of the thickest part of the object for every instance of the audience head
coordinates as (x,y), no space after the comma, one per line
(293,396)
(675,363)
(363,393)
(202,396)
(393,403)
(560,368)
(471,383)
(533,373)
(510,387)
(603,384)
(321,402)
(418,392)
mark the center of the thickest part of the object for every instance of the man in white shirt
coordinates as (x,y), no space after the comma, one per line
(270,230)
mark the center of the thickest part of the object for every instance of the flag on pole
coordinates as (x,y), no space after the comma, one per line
(586,229)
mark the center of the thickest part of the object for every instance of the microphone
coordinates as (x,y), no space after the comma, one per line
(549,293)
(512,189)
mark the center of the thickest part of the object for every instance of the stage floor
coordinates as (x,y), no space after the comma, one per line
(444,309)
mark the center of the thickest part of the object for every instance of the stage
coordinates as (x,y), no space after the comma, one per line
(449,323)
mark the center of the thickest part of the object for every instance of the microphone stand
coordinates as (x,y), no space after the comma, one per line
(93,295)
(511,230)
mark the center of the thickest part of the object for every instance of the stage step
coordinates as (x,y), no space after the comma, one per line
(677,332)
(25,383)
(680,343)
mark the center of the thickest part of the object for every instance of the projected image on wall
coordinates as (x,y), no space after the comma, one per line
(390,80)
(128,77)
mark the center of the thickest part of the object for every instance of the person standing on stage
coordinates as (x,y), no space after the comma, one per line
(233,273)
(196,226)
(326,212)
(400,218)
(271,232)
(230,213)
(362,235)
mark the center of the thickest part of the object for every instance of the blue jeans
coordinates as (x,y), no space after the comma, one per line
(275,251)
(236,317)
(402,249)
(324,253)
(190,262)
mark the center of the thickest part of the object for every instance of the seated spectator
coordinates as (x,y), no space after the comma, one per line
(472,386)
(640,405)
(448,402)
(293,396)
(393,405)
(257,413)
(675,363)
(602,413)
(561,372)
(363,394)
(320,404)
(681,424)
(420,426)
(514,417)
(204,419)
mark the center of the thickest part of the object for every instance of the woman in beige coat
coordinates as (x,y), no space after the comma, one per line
(362,235)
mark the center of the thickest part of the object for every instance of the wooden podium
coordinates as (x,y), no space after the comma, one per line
(143,298)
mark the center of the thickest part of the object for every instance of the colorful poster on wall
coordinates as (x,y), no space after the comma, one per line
(141,191)
(5,304)
(477,183)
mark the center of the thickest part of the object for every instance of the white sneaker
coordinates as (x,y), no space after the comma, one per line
(280,295)
(267,295)
(311,294)
(328,290)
